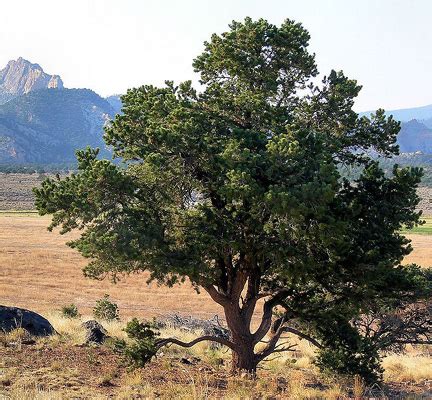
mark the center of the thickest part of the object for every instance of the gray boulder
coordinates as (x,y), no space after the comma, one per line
(13,317)
(95,332)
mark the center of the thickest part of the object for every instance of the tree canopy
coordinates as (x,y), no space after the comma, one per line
(238,188)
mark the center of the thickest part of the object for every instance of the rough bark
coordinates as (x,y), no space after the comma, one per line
(238,294)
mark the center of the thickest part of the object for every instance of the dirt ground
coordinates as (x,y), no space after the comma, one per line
(61,370)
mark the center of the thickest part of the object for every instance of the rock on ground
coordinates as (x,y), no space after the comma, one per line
(188,323)
(13,317)
(95,332)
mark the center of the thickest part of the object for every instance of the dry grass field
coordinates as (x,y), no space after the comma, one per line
(38,271)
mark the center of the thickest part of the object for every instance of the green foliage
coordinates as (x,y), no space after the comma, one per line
(360,358)
(422,161)
(139,353)
(70,311)
(241,183)
(106,310)
(143,346)
(141,330)
(117,345)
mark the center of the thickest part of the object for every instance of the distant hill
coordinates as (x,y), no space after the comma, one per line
(47,126)
(407,114)
(415,136)
(21,77)
(416,128)
(115,102)
(41,122)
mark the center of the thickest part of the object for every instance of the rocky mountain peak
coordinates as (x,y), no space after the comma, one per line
(21,77)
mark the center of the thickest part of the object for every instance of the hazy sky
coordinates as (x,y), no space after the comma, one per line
(109,45)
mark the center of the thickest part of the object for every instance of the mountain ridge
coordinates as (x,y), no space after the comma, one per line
(422,113)
(41,121)
(20,77)
(47,125)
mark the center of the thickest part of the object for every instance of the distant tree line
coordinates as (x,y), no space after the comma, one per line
(37,168)
(423,161)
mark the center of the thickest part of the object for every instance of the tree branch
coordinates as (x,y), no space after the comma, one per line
(275,334)
(216,295)
(302,335)
(284,349)
(163,342)
(266,320)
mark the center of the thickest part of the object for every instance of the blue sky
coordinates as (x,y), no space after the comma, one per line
(110,45)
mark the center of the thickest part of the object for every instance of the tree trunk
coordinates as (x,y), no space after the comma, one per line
(244,360)
(243,356)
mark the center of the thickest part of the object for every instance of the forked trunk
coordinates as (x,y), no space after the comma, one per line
(243,357)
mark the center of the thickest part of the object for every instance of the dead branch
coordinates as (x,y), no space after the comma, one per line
(166,341)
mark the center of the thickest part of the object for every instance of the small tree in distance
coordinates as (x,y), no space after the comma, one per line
(238,189)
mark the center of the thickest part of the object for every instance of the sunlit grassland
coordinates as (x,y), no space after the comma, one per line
(424,229)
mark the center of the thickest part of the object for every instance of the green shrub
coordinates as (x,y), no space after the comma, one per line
(106,310)
(141,330)
(140,353)
(143,346)
(70,311)
(117,345)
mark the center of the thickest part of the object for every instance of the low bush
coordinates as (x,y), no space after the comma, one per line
(142,347)
(70,311)
(106,310)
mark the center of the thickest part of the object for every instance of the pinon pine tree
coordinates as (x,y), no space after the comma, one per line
(239,189)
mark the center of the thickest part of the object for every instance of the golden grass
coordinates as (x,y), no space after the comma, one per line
(281,376)
(408,368)
(422,254)
(38,271)
(415,365)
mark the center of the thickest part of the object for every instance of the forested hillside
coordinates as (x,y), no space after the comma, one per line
(47,126)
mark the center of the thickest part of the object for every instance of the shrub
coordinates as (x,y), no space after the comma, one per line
(143,346)
(70,311)
(106,310)
(141,330)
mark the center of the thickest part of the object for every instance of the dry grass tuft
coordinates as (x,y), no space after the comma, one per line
(408,368)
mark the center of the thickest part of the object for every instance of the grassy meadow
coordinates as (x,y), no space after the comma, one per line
(39,272)
(59,367)
(424,229)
